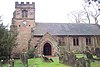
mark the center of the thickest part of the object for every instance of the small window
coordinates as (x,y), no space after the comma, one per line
(75,41)
(19,25)
(24,13)
(88,40)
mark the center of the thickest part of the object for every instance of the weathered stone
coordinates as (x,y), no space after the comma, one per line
(24,59)
(51,60)
(97,52)
(68,58)
(11,63)
(46,59)
(89,56)
(82,62)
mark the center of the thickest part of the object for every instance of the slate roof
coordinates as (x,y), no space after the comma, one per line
(66,29)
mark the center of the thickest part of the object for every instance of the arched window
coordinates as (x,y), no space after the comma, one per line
(75,41)
(24,13)
(88,40)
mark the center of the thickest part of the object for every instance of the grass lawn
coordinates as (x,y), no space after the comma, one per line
(39,63)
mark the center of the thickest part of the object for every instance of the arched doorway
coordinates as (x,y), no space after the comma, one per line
(47,49)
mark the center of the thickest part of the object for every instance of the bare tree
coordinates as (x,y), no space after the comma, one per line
(0,18)
(77,16)
(92,9)
(89,14)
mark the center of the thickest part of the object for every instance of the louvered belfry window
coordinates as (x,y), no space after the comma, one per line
(24,13)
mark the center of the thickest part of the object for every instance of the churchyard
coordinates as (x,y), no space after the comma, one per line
(65,58)
(38,62)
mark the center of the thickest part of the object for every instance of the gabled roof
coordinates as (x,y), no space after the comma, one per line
(66,29)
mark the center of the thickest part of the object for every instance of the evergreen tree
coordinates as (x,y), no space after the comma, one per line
(7,42)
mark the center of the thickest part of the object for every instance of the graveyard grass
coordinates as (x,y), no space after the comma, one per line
(40,63)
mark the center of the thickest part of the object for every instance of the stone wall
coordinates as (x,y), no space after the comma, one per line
(25,33)
(24,30)
(54,41)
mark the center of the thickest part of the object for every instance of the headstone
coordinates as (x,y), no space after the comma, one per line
(89,56)
(51,60)
(24,59)
(93,51)
(46,59)
(82,62)
(68,58)
(60,58)
(97,52)
(11,63)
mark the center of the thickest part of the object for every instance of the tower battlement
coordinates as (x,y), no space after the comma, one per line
(23,5)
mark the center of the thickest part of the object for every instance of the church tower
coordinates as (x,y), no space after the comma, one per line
(24,20)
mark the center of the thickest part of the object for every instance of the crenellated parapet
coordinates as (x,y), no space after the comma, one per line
(25,5)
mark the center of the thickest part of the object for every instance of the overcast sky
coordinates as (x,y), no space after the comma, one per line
(46,10)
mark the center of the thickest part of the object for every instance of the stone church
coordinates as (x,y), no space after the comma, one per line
(48,37)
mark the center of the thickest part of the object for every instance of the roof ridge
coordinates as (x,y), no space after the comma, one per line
(65,23)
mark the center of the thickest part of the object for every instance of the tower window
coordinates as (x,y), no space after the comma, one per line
(19,25)
(24,13)
(88,40)
(75,41)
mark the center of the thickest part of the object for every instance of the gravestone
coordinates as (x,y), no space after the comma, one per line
(24,59)
(67,58)
(51,60)
(97,52)
(89,56)
(46,59)
(82,62)
(11,63)
(71,58)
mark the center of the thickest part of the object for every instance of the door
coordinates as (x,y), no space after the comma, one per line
(47,49)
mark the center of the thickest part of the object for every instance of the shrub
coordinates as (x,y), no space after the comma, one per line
(31,53)
(16,55)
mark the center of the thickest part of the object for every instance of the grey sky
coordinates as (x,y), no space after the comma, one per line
(46,10)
